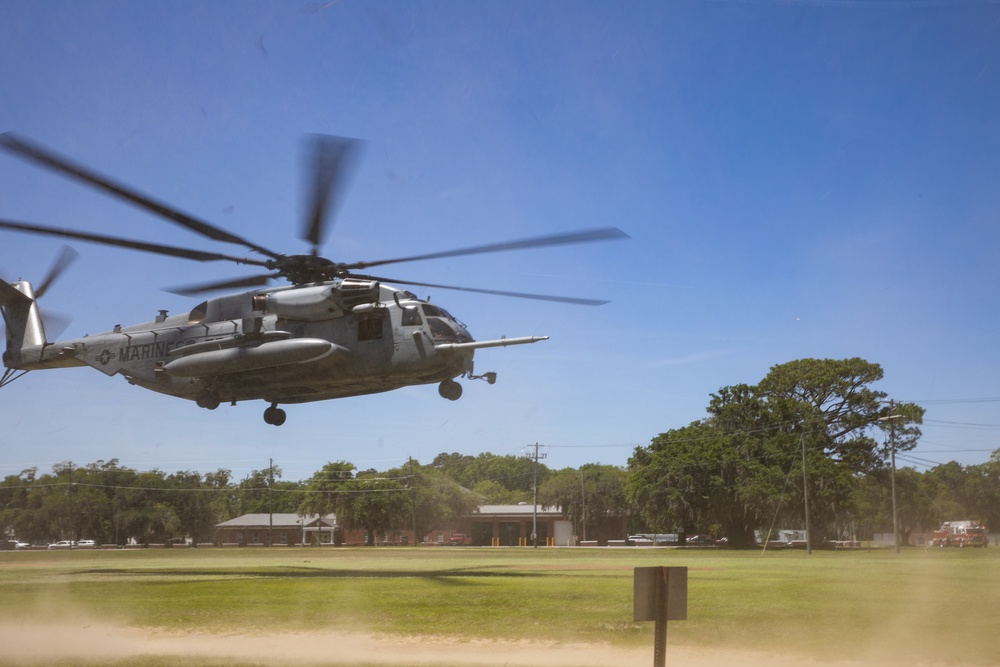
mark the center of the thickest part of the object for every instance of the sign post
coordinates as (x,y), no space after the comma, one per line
(659,594)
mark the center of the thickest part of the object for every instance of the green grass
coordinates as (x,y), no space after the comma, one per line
(921,604)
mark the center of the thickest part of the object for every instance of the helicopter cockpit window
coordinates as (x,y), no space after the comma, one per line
(411,316)
(197,313)
(434,311)
(440,329)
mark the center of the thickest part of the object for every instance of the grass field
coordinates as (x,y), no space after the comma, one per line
(920,606)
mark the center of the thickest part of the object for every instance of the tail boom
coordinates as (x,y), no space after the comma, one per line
(24,323)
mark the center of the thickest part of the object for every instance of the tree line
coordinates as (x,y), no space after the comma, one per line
(810,427)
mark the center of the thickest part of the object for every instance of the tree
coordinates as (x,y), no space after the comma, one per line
(436,500)
(191,502)
(494,493)
(985,491)
(512,473)
(377,504)
(14,495)
(736,466)
(591,497)
(327,491)
(263,491)
(830,405)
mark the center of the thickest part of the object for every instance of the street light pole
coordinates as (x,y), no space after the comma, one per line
(892,466)
(895,514)
(805,492)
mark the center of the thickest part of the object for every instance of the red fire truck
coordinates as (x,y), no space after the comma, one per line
(959,534)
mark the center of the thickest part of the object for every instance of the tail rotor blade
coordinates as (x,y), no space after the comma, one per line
(66,257)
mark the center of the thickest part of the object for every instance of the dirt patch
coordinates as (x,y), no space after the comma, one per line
(40,644)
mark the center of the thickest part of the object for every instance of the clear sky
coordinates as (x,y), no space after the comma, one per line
(799,179)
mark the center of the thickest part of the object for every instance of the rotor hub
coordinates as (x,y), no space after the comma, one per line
(305,269)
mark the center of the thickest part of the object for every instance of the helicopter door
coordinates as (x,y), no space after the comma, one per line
(410,324)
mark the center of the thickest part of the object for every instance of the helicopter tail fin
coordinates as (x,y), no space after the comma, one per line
(23,321)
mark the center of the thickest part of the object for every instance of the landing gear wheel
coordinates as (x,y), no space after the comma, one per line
(208,400)
(274,416)
(450,389)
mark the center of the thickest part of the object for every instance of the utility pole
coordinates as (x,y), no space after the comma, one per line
(534,496)
(270,502)
(583,500)
(413,501)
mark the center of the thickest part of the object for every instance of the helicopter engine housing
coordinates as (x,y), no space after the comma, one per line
(321,302)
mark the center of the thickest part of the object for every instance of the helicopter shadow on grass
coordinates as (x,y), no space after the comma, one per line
(444,576)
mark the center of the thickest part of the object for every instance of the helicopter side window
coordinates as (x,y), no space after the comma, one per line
(370,327)
(411,316)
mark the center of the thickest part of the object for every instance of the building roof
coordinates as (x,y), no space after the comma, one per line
(279,520)
(521,509)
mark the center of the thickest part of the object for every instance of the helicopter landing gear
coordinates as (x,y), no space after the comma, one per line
(208,400)
(274,415)
(450,389)
(491,377)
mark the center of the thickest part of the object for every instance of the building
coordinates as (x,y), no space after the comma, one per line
(489,525)
(511,525)
(278,529)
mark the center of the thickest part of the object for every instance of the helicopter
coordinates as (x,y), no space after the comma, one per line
(335,331)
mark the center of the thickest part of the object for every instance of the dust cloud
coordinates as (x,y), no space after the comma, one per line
(33,643)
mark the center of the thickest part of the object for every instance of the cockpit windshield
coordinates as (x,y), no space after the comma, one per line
(434,311)
(444,327)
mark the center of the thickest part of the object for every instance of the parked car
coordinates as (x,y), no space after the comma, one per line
(63,544)
(699,540)
(90,544)
(22,545)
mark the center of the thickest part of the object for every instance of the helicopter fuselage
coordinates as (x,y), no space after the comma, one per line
(282,345)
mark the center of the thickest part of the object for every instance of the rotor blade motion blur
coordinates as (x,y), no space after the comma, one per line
(251,281)
(329,161)
(587,236)
(35,153)
(516,295)
(173,251)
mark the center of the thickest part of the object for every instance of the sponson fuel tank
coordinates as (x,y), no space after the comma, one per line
(267,355)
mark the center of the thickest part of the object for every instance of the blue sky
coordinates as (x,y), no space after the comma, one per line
(799,179)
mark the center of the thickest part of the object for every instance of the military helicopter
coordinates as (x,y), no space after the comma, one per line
(335,331)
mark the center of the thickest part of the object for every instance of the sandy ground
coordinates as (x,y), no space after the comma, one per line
(39,644)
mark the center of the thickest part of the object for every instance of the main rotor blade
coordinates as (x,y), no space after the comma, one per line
(601,234)
(251,281)
(330,160)
(47,158)
(516,295)
(173,251)
(66,257)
